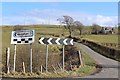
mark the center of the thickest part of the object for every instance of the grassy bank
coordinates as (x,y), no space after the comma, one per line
(87,69)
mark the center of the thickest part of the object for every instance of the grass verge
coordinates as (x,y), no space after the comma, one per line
(87,69)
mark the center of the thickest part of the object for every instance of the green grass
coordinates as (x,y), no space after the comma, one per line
(106,40)
(102,38)
(43,31)
(6,36)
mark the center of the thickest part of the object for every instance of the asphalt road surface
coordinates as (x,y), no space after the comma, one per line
(110,68)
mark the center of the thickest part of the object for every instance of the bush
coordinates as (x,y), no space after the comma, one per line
(17,27)
(71,57)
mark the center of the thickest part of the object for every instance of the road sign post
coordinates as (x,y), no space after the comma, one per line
(31,58)
(22,37)
(58,41)
(7,59)
(63,56)
(14,57)
(46,57)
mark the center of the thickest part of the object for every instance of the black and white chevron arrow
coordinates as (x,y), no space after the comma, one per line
(59,41)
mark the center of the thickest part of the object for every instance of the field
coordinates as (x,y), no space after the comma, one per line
(107,40)
(102,38)
(39,52)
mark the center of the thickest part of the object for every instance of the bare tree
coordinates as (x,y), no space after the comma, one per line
(79,26)
(60,21)
(68,21)
(96,28)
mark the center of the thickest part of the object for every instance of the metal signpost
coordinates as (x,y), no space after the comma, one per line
(63,56)
(7,59)
(14,57)
(46,57)
(22,37)
(58,41)
(31,58)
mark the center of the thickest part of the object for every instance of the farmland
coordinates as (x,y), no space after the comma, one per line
(107,40)
(102,38)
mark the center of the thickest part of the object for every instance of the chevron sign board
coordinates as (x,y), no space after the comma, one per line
(58,41)
(22,37)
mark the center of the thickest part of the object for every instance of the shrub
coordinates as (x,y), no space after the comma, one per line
(17,27)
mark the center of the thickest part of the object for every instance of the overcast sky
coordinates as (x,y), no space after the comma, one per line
(102,13)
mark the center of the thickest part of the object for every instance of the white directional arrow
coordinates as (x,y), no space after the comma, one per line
(71,42)
(41,40)
(49,40)
(57,41)
(65,42)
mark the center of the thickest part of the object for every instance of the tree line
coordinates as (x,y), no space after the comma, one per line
(69,23)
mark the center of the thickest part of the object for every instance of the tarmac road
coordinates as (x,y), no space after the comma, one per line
(110,68)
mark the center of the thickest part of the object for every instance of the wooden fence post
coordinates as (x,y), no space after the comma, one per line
(23,64)
(41,68)
(80,58)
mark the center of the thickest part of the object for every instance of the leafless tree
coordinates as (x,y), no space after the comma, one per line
(60,21)
(79,26)
(68,23)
